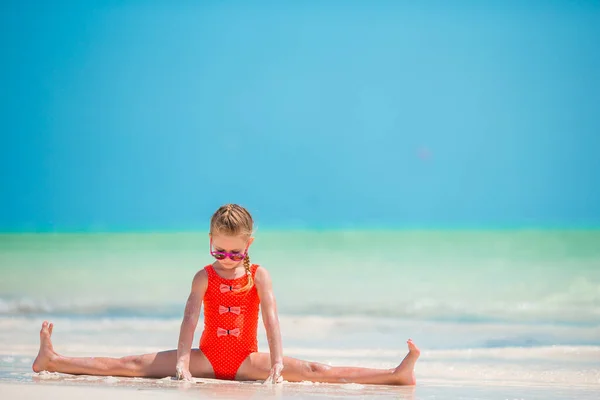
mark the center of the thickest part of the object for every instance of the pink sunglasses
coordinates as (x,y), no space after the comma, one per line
(221,255)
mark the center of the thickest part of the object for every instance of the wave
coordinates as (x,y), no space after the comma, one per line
(99,309)
(377,337)
(466,312)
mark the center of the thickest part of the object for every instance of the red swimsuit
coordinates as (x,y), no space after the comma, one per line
(230,323)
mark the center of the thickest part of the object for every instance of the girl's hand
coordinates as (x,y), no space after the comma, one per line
(182,373)
(275,374)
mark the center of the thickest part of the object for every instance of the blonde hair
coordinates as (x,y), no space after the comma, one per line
(234,220)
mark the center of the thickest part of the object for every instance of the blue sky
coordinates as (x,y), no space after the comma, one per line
(130,115)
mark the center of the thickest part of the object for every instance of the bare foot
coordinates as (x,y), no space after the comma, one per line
(405,372)
(46,354)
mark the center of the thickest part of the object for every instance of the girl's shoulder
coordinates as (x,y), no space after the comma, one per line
(261,275)
(207,271)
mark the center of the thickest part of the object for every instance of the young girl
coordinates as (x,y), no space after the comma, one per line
(232,290)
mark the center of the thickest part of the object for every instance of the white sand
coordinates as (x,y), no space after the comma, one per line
(139,389)
(11,391)
(70,387)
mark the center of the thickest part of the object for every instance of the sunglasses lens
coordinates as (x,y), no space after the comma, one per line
(237,257)
(219,256)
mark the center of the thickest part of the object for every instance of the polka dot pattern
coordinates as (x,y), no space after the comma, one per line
(230,323)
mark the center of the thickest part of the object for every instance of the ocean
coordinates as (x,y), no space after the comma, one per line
(496,313)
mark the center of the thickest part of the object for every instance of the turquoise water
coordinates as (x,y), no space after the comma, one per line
(493,276)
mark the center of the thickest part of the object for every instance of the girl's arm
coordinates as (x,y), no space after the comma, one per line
(189,323)
(268,307)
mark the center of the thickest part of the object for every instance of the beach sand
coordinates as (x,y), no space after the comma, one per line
(56,386)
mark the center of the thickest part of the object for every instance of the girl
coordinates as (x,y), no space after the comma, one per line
(232,290)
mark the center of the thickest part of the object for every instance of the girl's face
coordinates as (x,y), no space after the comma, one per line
(229,251)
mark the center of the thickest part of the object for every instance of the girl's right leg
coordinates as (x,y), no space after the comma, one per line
(155,365)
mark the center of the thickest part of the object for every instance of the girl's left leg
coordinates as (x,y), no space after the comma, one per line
(258,365)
